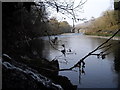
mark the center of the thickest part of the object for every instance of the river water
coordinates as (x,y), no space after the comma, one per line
(97,73)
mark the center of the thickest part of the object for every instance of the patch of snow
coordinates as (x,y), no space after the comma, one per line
(7,56)
(36,76)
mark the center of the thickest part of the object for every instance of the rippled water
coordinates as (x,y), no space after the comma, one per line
(98,73)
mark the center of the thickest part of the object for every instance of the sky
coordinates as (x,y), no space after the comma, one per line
(92,8)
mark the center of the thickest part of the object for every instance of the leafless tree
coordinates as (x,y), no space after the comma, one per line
(69,8)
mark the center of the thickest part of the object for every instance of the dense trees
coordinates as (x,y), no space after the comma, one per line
(59,27)
(23,21)
(20,23)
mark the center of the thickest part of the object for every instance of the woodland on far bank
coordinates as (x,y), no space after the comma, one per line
(105,25)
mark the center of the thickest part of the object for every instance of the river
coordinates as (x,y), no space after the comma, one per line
(97,73)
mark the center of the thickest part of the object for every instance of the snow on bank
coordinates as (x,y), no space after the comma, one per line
(30,72)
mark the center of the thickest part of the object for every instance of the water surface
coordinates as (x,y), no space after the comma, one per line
(98,73)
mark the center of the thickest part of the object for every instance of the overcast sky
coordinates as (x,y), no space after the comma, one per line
(92,8)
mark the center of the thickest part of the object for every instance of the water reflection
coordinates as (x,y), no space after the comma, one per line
(37,47)
(81,70)
(117,63)
(94,72)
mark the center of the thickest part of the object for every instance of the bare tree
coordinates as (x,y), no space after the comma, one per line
(69,8)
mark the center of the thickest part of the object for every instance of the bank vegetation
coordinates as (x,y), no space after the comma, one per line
(105,25)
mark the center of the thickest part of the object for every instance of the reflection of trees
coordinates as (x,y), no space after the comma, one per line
(81,70)
(117,59)
(36,47)
(117,63)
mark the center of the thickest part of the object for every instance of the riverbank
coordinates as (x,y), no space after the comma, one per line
(96,36)
(105,37)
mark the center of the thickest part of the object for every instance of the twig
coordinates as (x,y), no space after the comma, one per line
(51,43)
(106,46)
